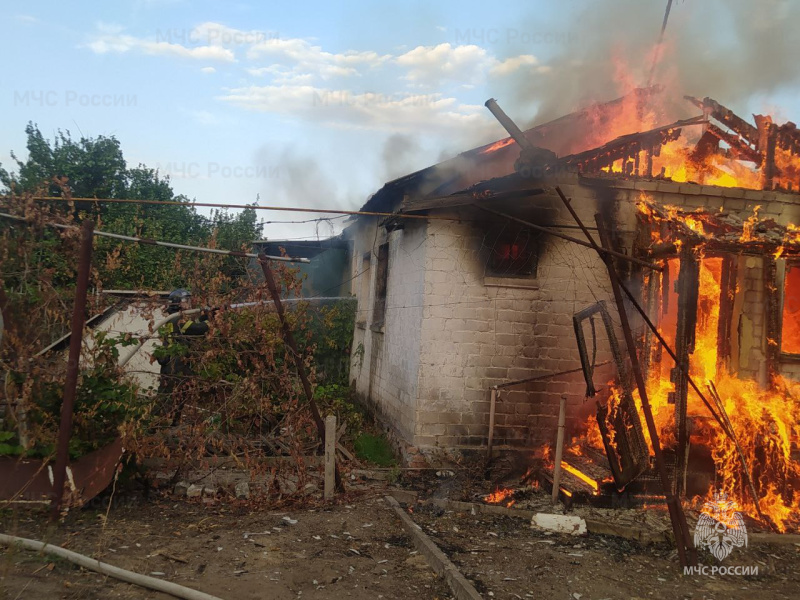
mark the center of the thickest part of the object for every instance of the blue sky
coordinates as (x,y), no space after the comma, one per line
(303,104)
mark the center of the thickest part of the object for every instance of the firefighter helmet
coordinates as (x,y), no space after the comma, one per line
(176,298)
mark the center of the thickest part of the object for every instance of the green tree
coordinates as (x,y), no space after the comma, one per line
(96,168)
(93,167)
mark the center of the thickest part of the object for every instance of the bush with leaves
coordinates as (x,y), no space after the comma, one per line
(242,397)
(37,285)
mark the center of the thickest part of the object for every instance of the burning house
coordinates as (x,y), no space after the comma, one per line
(481,303)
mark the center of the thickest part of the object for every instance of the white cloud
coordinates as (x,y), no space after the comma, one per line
(281,75)
(433,65)
(112,40)
(344,108)
(509,65)
(300,57)
(27,19)
(466,65)
(204,117)
(208,70)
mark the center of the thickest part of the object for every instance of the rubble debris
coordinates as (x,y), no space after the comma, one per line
(559,523)
(242,490)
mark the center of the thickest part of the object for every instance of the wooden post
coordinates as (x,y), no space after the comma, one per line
(562,421)
(492,406)
(71,381)
(688,294)
(330,456)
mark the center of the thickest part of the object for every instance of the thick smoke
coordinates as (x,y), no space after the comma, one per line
(401,155)
(731,50)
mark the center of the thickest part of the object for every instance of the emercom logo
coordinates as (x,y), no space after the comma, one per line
(720,529)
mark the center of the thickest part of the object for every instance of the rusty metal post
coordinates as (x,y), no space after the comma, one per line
(73,362)
(562,421)
(683,540)
(288,337)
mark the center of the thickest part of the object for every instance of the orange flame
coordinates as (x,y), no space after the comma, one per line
(580,475)
(497,145)
(500,495)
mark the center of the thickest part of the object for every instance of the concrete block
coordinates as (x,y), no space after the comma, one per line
(242,490)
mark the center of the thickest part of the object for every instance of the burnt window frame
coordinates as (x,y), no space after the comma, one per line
(499,233)
(381,287)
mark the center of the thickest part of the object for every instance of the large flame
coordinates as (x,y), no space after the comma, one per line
(790,334)
(765,421)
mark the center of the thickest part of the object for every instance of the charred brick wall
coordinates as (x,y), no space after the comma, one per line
(452,331)
(479,331)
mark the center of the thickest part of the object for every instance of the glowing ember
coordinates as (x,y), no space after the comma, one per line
(500,495)
(580,475)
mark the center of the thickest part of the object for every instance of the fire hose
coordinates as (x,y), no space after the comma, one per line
(151,583)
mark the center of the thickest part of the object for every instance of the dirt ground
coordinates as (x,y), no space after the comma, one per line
(346,551)
(506,558)
(358,549)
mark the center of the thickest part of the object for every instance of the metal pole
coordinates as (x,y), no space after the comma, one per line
(71,381)
(288,337)
(562,420)
(509,125)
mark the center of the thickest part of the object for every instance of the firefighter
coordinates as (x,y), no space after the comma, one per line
(173,355)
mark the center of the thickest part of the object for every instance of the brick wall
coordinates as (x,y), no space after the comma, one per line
(451,332)
(479,331)
(385,361)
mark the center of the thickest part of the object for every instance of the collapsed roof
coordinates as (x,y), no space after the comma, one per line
(717,230)
(595,141)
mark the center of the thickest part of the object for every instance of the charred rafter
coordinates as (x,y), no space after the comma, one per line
(723,114)
(739,147)
(788,138)
(626,148)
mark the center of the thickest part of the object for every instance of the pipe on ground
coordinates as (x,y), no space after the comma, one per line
(151,583)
